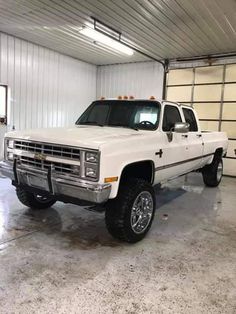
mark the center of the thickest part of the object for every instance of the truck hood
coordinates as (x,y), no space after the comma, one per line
(82,136)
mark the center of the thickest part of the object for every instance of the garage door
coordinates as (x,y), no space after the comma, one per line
(211,90)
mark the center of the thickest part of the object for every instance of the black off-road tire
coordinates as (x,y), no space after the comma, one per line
(32,201)
(210,173)
(118,210)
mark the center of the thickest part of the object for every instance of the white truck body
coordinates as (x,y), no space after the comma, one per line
(117,148)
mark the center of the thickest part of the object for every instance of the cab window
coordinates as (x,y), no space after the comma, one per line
(171,116)
(190,118)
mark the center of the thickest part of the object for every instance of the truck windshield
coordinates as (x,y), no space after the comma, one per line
(135,114)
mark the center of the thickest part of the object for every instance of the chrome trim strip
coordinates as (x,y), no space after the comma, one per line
(181,162)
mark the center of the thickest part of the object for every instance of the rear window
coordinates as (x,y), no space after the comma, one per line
(190,118)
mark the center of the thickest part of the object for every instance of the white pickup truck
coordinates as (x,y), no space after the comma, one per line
(114,155)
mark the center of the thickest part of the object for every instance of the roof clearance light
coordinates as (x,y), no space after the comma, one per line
(99,37)
(119,97)
(131,97)
(102,98)
(125,97)
(152,98)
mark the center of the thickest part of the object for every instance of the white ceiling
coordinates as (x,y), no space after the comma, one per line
(160,28)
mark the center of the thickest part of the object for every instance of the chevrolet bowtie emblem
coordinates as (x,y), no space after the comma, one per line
(39,156)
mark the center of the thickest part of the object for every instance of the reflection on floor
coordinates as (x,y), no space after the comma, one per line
(63,259)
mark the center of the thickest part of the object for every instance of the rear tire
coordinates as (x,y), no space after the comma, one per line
(34,201)
(129,216)
(212,174)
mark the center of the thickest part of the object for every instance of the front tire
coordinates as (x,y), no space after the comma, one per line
(129,216)
(34,201)
(212,174)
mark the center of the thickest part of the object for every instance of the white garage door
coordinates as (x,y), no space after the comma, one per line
(211,90)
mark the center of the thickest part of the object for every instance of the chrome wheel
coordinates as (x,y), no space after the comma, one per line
(142,212)
(42,198)
(219,171)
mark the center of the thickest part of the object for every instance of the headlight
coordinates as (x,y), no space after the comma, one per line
(91,157)
(10,144)
(90,172)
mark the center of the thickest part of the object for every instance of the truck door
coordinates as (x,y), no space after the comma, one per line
(194,139)
(171,160)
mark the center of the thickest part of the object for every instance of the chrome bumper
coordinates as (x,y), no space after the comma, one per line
(56,184)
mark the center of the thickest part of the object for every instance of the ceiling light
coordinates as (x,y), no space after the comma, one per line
(106,40)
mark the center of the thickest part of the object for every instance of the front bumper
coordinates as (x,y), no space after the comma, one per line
(55,184)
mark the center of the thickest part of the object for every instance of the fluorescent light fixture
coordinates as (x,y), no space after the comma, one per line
(99,37)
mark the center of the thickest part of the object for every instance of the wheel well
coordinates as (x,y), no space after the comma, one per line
(218,153)
(141,170)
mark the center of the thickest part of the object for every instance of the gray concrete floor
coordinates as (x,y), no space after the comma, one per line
(62,260)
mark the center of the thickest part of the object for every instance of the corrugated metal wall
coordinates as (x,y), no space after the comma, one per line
(140,80)
(47,89)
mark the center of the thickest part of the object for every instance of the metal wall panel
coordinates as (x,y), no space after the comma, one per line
(47,89)
(141,80)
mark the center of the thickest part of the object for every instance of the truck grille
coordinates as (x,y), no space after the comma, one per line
(44,165)
(56,151)
(48,149)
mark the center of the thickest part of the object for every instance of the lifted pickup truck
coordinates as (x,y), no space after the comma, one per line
(114,155)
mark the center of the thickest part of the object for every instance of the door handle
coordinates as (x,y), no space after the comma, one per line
(184,135)
(199,135)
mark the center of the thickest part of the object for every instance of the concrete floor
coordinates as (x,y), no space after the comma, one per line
(62,260)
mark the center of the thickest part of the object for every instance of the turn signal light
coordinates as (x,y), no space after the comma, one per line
(110,179)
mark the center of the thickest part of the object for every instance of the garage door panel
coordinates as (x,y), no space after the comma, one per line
(231,149)
(209,125)
(207,111)
(180,76)
(230,73)
(230,92)
(213,74)
(207,93)
(182,93)
(230,167)
(229,111)
(229,128)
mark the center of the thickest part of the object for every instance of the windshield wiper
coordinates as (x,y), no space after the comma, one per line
(90,123)
(124,126)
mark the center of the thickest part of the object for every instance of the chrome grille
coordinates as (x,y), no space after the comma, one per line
(48,149)
(44,165)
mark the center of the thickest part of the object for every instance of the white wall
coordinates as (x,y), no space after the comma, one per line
(46,88)
(141,80)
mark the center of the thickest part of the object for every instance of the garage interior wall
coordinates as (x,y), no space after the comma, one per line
(141,80)
(211,90)
(46,88)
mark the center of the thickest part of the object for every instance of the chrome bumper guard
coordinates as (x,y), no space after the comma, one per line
(55,184)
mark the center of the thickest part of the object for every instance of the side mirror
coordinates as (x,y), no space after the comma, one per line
(179,127)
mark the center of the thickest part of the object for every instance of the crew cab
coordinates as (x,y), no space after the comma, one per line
(113,156)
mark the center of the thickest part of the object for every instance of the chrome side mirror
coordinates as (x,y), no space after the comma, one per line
(179,127)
